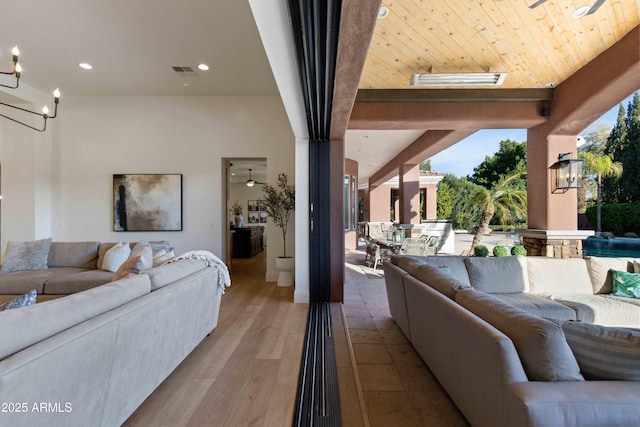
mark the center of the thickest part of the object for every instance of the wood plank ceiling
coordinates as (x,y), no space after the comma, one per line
(538,48)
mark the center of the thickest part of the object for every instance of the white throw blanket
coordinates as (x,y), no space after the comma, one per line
(211,260)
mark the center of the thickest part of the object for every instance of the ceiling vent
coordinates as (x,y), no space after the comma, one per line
(184,70)
(458,79)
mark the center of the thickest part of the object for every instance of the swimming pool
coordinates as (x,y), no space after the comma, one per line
(611,248)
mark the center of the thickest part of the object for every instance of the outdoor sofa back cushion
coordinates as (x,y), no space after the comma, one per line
(440,279)
(557,276)
(604,353)
(540,343)
(73,254)
(503,275)
(600,275)
(455,264)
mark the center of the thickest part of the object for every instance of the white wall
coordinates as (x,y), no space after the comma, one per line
(25,156)
(97,137)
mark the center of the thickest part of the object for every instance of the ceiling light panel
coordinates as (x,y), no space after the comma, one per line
(458,79)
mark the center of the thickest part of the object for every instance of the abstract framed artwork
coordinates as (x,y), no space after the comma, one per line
(147,202)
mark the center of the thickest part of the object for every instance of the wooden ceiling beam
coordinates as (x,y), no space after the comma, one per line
(427,145)
(454,95)
(597,87)
(446,115)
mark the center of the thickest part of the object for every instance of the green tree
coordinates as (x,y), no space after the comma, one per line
(510,157)
(464,214)
(425,165)
(596,138)
(601,166)
(630,156)
(595,142)
(444,201)
(611,192)
(504,199)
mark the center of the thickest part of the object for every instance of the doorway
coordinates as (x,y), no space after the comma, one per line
(246,219)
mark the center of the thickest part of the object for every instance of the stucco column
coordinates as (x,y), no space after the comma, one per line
(409,182)
(430,201)
(379,203)
(549,209)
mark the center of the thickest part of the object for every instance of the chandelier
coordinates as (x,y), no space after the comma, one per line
(17,69)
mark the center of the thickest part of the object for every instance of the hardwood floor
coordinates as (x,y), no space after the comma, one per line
(246,371)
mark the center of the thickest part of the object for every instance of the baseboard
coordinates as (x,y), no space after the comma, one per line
(301,296)
(271,276)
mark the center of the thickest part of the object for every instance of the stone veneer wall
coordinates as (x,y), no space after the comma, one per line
(553,248)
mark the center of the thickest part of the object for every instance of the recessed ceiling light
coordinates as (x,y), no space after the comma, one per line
(383,12)
(185,84)
(85,66)
(580,12)
(203,67)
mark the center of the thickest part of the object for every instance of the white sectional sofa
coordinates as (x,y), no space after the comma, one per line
(481,325)
(91,358)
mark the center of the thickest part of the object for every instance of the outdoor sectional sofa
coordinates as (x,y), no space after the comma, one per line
(484,328)
(92,357)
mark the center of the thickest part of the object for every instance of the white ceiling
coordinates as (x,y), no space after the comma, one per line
(133,44)
(373,149)
(239,170)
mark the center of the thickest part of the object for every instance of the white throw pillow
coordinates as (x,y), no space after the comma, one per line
(116,256)
(163,257)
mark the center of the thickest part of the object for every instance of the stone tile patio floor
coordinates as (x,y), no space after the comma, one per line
(398,388)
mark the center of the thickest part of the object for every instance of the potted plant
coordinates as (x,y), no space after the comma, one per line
(236,211)
(280,202)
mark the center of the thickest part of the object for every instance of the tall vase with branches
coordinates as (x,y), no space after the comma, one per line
(280,202)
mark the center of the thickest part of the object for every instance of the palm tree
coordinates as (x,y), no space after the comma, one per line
(601,166)
(503,199)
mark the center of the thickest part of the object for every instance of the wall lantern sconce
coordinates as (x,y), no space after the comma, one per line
(568,172)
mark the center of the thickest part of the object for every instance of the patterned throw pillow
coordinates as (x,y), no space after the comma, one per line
(625,284)
(21,301)
(115,257)
(604,353)
(22,256)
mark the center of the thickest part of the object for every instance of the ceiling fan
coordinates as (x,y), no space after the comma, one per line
(251,182)
(591,10)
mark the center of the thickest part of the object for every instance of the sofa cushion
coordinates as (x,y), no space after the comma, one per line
(408,263)
(25,256)
(503,275)
(168,273)
(558,276)
(455,264)
(76,282)
(116,256)
(22,301)
(22,328)
(604,353)
(602,309)
(538,306)
(540,343)
(21,282)
(625,284)
(73,254)
(161,257)
(439,279)
(136,264)
(599,271)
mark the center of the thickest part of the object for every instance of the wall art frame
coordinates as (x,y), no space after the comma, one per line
(147,202)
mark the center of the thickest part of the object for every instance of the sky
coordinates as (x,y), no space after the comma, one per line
(461,158)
